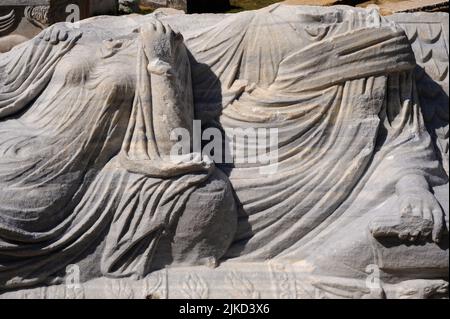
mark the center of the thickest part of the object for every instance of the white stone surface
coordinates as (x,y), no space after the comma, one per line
(360,183)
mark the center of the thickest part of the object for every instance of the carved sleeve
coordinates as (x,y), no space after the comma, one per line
(356,54)
(26,69)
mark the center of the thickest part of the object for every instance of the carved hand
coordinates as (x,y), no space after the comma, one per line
(56,34)
(420,214)
(418,204)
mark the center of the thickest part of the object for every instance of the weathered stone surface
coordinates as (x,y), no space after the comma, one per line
(189,5)
(237,281)
(24,19)
(424,29)
(167,12)
(350,200)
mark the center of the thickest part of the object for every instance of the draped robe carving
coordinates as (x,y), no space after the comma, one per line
(339,87)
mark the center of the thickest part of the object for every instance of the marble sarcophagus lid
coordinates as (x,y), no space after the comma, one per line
(288,152)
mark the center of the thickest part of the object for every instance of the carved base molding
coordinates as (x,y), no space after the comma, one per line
(236,281)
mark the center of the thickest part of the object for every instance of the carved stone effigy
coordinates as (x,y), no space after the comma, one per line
(350,201)
(21,20)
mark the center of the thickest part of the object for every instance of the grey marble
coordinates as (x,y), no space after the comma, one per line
(353,202)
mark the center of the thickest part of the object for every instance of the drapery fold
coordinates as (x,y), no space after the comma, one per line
(26,70)
(66,192)
(341,120)
(79,167)
(139,152)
